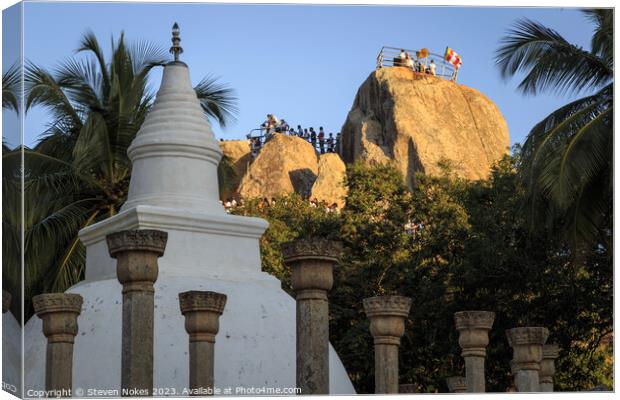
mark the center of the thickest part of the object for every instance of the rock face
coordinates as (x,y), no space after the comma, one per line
(238,151)
(420,121)
(285,164)
(329,185)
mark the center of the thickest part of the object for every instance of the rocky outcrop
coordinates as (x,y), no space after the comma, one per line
(420,121)
(285,164)
(238,153)
(329,185)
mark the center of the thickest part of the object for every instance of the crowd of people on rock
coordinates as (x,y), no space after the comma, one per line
(405,60)
(322,142)
(231,203)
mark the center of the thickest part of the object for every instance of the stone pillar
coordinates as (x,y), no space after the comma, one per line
(6,301)
(457,384)
(387,325)
(311,263)
(202,312)
(59,312)
(527,346)
(547,366)
(473,327)
(136,252)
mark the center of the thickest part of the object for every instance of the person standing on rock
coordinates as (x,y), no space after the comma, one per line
(433,68)
(330,143)
(306,135)
(313,137)
(300,132)
(322,140)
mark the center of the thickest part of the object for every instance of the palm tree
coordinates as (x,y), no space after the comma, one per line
(78,173)
(10,88)
(566,160)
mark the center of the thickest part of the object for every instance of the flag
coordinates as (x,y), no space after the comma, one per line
(453,58)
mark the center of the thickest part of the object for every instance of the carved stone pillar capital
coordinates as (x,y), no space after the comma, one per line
(311,262)
(473,327)
(457,384)
(137,252)
(6,301)
(547,366)
(59,312)
(202,312)
(526,343)
(387,316)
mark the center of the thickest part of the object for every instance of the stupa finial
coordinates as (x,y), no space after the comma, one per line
(176,48)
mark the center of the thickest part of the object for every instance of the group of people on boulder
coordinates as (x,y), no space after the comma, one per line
(319,140)
(405,60)
(231,203)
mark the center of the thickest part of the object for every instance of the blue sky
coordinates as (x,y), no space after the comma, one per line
(302,62)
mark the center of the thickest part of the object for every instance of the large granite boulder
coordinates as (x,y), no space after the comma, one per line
(329,185)
(285,164)
(238,152)
(420,121)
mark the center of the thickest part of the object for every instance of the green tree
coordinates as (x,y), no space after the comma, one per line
(78,173)
(567,157)
(531,280)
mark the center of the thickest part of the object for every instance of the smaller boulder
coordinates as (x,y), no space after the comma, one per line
(284,165)
(329,185)
(238,152)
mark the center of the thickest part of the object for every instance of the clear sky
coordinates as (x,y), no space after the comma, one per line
(303,63)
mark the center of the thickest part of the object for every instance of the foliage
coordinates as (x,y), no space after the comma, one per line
(451,245)
(567,157)
(78,173)
(290,217)
(11,87)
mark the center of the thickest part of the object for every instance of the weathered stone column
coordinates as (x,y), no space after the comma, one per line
(387,325)
(473,327)
(527,346)
(457,384)
(59,312)
(136,252)
(6,301)
(547,366)
(202,312)
(312,264)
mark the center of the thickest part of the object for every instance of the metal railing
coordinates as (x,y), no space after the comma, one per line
(390,57)
(259,136)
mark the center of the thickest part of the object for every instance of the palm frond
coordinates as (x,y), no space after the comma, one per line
(90,43)
(603,38)
(549,61)
(217,99)
(42,89)
(11,88)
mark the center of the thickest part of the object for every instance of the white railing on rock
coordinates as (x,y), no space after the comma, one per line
(390,57)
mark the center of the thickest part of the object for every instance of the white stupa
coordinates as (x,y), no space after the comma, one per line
(174,188)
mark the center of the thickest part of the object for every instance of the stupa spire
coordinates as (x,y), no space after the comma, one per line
(176,48)
(174,154)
